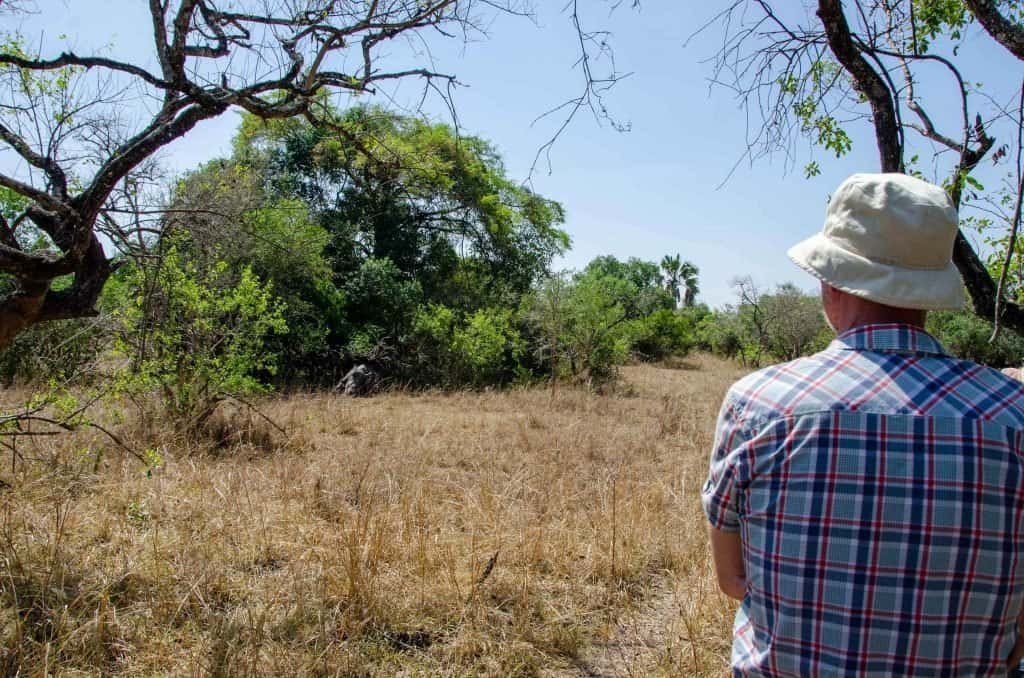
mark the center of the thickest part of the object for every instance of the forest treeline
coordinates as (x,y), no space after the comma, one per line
(385,240)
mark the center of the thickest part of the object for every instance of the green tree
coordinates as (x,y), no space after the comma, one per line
(196,336)
(360,223)
(636,284)
(671,266)
(688,275)
(438,205)
(794,323)
(721,333)
(968,336)
(581,326)
(381,304)
(221,213)
(662,334)
(489,346)
(780,326)
(681,275)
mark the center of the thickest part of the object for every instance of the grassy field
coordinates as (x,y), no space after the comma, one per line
(527,532)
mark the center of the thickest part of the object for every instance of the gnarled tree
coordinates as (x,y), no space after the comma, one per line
(77,161)
(78,156)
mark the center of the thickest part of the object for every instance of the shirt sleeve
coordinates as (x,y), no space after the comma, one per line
(720,497)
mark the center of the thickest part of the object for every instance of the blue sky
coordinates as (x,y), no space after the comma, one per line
(651,191)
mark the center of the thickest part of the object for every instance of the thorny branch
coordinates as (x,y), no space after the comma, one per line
(594,47)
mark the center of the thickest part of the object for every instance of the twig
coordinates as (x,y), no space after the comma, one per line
(488,568)
(1015,220)
(120,443)
(66,424)
(256,410)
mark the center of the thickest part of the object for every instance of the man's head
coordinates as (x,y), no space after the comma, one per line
(885,252)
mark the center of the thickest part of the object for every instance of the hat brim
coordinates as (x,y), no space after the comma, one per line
(917,288)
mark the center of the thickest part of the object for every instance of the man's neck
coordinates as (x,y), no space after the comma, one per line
(848,312)
(919,324)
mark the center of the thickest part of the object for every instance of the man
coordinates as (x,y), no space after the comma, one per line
(866,503)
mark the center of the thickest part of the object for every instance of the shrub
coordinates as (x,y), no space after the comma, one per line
(488,346)
(966,335)
(62,350)
(431,345)
(480,349)
(580,327)
(780,326)
(662,334)
(196,336)
(721,334)
(381,303)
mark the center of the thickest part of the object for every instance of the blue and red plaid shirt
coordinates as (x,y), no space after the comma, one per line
(878,487)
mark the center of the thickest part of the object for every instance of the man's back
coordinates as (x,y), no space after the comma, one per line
(878,486)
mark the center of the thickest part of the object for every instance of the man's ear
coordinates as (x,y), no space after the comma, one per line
(830,303)
(827,293)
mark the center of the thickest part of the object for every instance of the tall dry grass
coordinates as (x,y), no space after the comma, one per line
(497,533)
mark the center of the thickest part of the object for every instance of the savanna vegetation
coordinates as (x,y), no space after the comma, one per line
(505,533)
(164,510)
(184,491)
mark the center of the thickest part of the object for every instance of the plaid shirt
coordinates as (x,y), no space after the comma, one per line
(879,490)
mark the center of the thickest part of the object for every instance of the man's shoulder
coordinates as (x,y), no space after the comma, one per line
(831,380)
(769,376)
(772,390)
(995,395)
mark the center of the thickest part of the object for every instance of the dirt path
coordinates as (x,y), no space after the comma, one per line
(637,642)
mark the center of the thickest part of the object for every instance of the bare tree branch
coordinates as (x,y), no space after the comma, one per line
(1011,247)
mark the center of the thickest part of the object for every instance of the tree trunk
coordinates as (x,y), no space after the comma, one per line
(20,310)
(868,82)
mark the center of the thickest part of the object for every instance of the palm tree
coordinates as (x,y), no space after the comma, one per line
(688,277)
(672,267)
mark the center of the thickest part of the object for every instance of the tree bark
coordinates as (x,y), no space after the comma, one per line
(982,288)
(20,310)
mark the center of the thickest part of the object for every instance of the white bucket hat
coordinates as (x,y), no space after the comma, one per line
(888,238)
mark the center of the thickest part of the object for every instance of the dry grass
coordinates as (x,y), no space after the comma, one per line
(507,533)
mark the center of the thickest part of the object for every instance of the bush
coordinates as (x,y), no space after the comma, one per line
(482,348)
(662,334)
(580,327)
(431,344)
(62,350)
(195,336)
(721,334)
(381,303)
(488,346)
(966,335)
(775,327)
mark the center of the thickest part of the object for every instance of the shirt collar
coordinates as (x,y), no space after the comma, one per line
(888,337)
